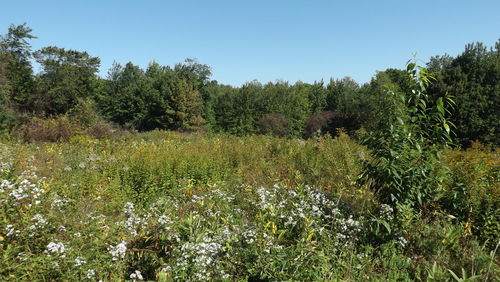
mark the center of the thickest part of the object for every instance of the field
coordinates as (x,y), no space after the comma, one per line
(171,206)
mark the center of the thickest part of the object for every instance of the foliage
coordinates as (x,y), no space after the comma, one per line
(16,70)
(473,79)
(126,95)
(67,76)
(236,111)
(47,130)
(472,194)
(406,152)
(274,124)
(317,124)
(156,98)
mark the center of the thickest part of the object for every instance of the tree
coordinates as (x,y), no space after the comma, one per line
(157,98)
(125,95)
(236,110)
(67,76)
(16,53)
(290,101)
(186,106)
(347,105)
(317,97)
(194,73)
(6,114)
(473,78)
(16,43)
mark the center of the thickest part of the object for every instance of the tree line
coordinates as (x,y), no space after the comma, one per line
(184,97)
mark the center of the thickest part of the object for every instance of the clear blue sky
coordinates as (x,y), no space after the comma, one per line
(260,39)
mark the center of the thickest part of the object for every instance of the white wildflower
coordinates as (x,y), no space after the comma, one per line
(118,251)
(79,261)
(56,248)
(90,274)
(136,275)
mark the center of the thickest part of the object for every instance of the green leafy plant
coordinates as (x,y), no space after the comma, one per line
(405,169)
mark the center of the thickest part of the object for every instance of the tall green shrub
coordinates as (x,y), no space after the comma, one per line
(405,169)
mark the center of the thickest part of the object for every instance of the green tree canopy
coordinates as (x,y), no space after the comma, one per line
(67,75)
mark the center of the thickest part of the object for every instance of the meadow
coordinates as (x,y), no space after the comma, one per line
(166,206)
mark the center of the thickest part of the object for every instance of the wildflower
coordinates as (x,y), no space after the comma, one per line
(402,241)
(11,230)
(386,212)
(163,220)
(166,269)
(249,236)
(136,275)
(118,251)
(90,274)
(56,248)
(39,220)
(79,261)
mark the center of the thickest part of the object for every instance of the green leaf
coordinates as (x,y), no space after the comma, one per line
(440,105)
(446,127)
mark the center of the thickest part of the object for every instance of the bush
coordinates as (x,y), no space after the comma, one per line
(274,124)
(104,130)
(472,194)
(329,122)
(59,129)
(405,169)
(317,123)
(85,113)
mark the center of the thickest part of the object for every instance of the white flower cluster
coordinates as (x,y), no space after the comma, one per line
(90,274)
(39,222)
(134,222)
(401,241)
(118,252)
(24,191)
(267,197)
(215,194)
(203,255)
(56,248)
(386,212)
(136,275)
(249,236)
(11,231)
(59,202)
(6,159)
(5,166)
(79,261)
(164,220)
(307,204)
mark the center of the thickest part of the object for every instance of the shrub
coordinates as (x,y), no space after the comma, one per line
(329,122)
(317,123)
(405,169)
(85,113)
(274,124)
(57,129)
(104,130)
(472,194)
